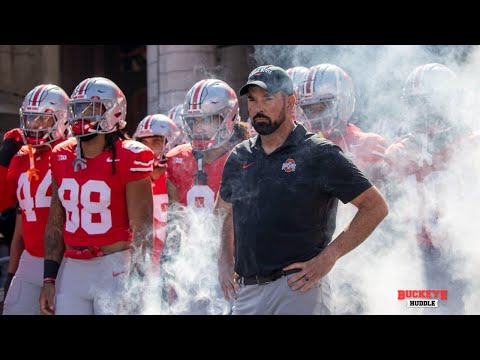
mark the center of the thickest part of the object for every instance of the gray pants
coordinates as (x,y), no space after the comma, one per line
(93,287)
(24,292)
(439,273)
(277,298)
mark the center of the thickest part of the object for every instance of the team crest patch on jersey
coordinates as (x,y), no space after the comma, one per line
(289,165)
(177,160)
(134,146)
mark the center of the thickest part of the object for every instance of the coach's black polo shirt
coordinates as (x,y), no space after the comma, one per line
(285,203)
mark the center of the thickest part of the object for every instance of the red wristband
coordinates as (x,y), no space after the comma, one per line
(49,280)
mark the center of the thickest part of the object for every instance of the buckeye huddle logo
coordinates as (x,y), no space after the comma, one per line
(422,298)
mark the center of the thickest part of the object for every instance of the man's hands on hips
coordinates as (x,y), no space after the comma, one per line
(311,270)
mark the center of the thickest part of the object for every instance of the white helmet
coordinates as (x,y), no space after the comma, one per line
(327,97)
(298,75)
(44,115)
(214,101)
(428,79)
(429,93)
(156,125)
(175,113)
(97,105)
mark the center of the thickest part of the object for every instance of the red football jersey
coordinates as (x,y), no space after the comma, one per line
(33,196)
(95,199)
(420,168)
(364,149)
(160,205)
(182,167)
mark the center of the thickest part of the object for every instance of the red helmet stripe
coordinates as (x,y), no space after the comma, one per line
(83,86)
(37,94)
(197,95)
(419,76)
(310,81)
(146,125)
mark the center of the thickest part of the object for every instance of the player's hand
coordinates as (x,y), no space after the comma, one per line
(14,134)
(47,299)
(12,142)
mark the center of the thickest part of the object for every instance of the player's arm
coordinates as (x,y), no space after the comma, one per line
(54,250)
(54,244)
(140,214)
(377,169)
(16,248)
(12,142)
(172,192)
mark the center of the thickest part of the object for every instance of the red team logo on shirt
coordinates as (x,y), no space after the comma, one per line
(289,165)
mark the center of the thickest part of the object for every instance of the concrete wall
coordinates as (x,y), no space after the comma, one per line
(237,63)
(171,72)
(173,69)
(22,67)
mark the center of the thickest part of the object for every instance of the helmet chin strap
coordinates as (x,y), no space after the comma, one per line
(79,162)
(160,162)
(200,176)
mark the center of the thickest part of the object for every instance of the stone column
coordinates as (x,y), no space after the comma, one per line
(173,69)
(50,65)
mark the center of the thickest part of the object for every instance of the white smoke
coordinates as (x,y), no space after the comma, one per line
(188,280)
(378,73)
(367,280)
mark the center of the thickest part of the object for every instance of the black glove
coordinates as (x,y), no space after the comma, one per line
(6,286)
(12,142)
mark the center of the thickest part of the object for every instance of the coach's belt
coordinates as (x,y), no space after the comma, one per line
(266,278)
